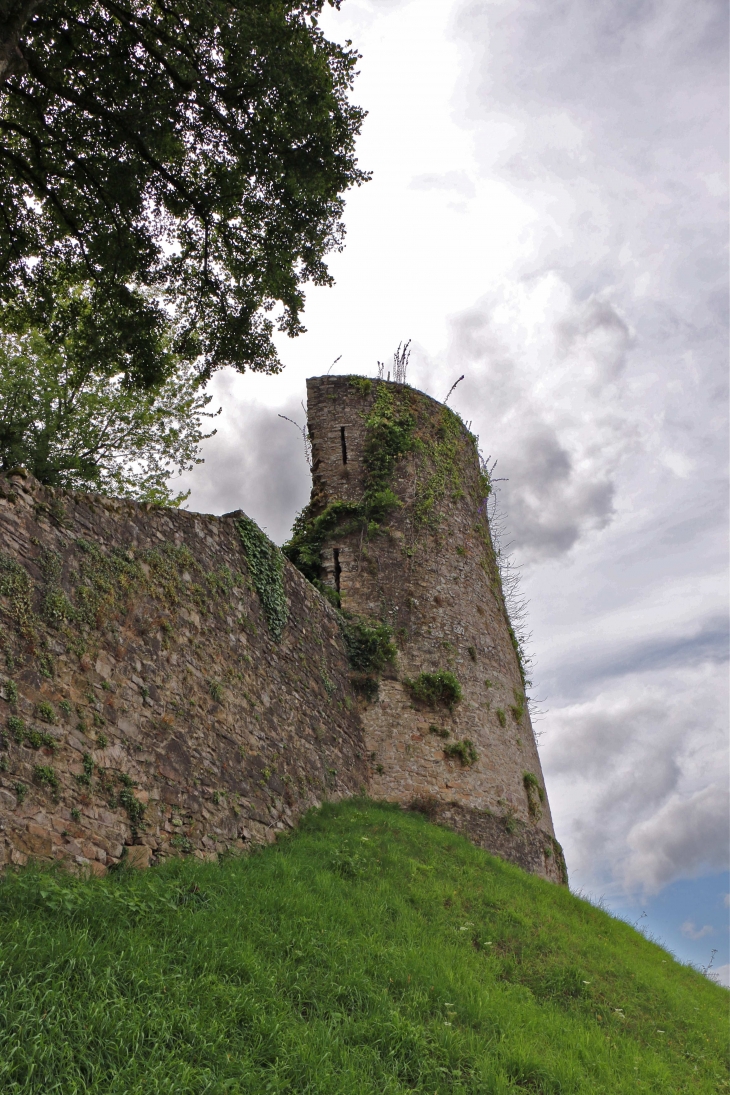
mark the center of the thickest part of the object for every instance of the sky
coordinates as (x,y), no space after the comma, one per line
(548,216)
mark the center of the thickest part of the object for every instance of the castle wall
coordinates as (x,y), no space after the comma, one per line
(428,569)
(138,672)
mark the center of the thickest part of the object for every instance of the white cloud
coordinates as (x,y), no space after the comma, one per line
(633,779)
(687,836)
(457,181)
(721,975)
(690,929)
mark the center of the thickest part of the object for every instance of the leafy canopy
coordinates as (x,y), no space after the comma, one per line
(74,428)
(184,161)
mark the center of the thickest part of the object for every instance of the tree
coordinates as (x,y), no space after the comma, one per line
(183,161)
(74,428)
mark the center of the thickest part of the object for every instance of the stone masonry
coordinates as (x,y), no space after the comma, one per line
(136,667)
(152,706)
(429,571)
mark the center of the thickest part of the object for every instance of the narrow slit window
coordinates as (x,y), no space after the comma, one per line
(338,568)
(343,442)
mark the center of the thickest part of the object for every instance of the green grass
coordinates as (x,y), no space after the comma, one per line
(370,952)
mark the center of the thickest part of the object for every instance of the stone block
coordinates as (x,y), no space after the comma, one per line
(138,856)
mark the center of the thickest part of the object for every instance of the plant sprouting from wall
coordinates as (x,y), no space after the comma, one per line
(535,794)
(370,646)
(515,605)
(437,688)
(304,431)
(464,750)
(401,357)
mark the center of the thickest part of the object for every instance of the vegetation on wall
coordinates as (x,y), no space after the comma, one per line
(535,794)
(465,750)
(440,454)
(401,960)
(370,646)
(91,590)
(304,548)
(432,689)
(388,436)
(266,566)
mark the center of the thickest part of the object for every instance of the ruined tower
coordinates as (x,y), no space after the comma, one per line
(398,532)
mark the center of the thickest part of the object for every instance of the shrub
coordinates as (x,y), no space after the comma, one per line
(43,773)
(518,707)
(16,726)
(216,691)
(535,794)
(369,646)
(45,711)
(464,750)
(434,688)
(366,685)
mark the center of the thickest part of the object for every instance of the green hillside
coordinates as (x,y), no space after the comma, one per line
(370,952)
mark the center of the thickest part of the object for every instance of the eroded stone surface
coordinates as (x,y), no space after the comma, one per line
(160,717)
(178,696)
(429,571)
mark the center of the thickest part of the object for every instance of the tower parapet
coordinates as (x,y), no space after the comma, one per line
(397,531)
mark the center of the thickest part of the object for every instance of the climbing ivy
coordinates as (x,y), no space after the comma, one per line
(304,549)
(439,449)
(388,436)
(265,564)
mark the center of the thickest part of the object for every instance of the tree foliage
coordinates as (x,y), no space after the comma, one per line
(184,161)
(74,428)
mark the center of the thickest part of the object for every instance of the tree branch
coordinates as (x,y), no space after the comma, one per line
(12,60)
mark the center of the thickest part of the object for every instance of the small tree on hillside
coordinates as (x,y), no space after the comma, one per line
(74,428)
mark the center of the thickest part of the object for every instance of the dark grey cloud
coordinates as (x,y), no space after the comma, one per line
(646,773)
(707,644)
(256,462)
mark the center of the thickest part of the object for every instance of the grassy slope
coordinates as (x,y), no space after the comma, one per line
(370,952)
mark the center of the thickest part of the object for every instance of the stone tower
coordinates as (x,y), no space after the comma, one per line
(399,530)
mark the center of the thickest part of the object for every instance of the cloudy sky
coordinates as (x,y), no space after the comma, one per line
(547,216)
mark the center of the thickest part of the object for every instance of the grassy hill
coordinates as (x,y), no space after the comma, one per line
(370,953)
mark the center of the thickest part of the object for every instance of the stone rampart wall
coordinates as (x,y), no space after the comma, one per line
(146,709)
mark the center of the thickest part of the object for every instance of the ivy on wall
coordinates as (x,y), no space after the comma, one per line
(265,565)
